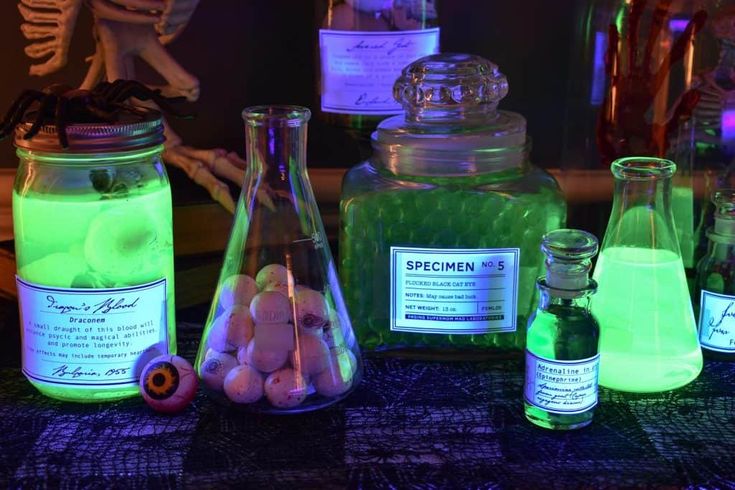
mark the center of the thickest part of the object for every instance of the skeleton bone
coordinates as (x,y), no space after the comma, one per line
(125,30)
(50,25)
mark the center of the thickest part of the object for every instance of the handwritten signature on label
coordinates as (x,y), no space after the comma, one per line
(717,327)
(105,306)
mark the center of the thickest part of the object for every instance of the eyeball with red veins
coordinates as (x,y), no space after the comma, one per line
(232,329)
(168,383)
(311,309)
(312,355)
(285,388)
(338,376)
(243,384)
(238,289)
(214,369)
(270,307)
(272,274)
(264,359)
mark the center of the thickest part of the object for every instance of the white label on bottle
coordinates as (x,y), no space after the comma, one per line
(717,321)
(89,338)
(562,387)
(453,291)
(359,68)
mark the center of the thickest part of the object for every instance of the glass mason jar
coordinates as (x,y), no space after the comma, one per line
(94,252)
(440,230)
(363,46)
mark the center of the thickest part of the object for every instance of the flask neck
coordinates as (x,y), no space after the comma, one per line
(276,147)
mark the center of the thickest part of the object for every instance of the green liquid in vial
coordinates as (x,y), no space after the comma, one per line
(83,241)
(648,339)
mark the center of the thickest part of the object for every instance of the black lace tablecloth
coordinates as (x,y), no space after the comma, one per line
(408,425)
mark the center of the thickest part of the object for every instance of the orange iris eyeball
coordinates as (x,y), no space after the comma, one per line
(168,383)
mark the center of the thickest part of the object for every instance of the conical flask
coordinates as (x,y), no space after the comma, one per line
(648,336)
(278,338)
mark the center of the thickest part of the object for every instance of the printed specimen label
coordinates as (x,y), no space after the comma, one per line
(90,337)
(562,387)
(453,291)
(360,68)
(717,322)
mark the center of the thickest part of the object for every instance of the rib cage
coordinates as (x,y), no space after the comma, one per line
(49,25)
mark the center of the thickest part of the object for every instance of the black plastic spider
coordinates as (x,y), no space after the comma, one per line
(62,105)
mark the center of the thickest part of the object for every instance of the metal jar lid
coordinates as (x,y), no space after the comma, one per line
(130,132)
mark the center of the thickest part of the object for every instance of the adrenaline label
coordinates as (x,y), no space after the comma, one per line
(91,337)
(717,322)
(453,291)
(562,387)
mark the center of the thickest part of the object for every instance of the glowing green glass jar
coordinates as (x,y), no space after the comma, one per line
(94,251)
(440,230)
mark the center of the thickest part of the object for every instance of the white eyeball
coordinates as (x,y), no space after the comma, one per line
(244,384)
(263,359)
(272,274)
(270,307)
(215,368)
(312,355)
(338,376)
(311,309)
(238,289)
(285,388)
(275,336)
(233,329)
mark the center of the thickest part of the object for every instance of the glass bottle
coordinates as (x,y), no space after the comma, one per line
(94,251)
(363,46)
(278,338)
(648,337)
(715,285)
(562,359)
(440,228)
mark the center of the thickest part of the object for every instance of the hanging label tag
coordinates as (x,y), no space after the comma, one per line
(717,321)
(359,68)
(91,337)
(562,387)
(453,291)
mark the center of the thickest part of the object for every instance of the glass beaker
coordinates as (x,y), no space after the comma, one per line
(278,338)
(648,336)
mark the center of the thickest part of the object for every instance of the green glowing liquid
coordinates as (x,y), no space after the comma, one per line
(438,217)
(648,339)
(83,241)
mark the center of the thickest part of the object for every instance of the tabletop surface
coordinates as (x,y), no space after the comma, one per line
(408,424)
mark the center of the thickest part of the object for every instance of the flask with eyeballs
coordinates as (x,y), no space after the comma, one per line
(278,338)
(562,357)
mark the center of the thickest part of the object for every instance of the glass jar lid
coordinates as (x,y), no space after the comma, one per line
(129,132)
(453,95)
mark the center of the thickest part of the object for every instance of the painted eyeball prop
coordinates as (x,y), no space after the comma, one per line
(338,376)
(238,289)
(270,307)
(232,329)
(311,309)
(244,384)
(168,384)
(285,388)
(312,355)
(214,369)
(263,359)
(272,275)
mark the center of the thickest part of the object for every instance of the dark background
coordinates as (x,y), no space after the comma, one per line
(248,52)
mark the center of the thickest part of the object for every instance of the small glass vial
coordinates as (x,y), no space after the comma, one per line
(562,350)
(94,252)
(715,283)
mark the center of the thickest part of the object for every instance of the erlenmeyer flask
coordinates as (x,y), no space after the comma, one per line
(278,337)
(648,336)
